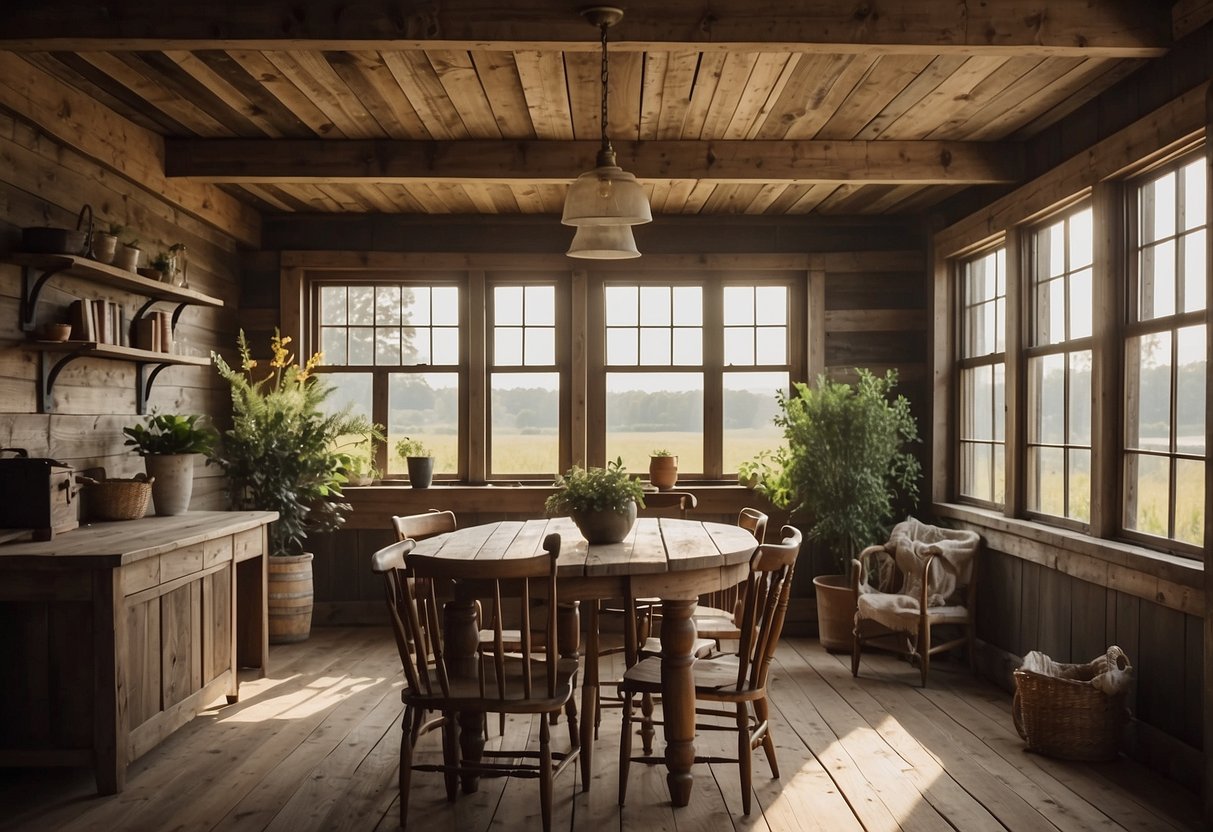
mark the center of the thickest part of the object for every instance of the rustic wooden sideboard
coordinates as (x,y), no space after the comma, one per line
(114,635)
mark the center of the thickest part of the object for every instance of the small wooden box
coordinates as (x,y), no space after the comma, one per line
(38,494)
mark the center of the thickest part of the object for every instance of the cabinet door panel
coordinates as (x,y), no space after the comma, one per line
(143,656)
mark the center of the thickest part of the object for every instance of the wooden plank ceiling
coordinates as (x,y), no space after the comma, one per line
(467,120)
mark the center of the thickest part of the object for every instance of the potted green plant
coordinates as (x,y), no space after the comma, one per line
(169,443)
(847,463)
(281,455)
(361,469)
(601,501)
(419,460)
(663,469)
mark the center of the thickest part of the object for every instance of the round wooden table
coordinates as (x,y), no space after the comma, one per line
(675,560)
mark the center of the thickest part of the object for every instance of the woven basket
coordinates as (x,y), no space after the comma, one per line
(119,499)
(1070,718)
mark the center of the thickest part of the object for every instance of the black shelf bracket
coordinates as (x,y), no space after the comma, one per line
(31,288)
(143,310)
(48,371)
(145,376)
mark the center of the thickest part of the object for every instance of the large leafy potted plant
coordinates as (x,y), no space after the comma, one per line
(847,464)
(601,501)
(282,454)
(169,444)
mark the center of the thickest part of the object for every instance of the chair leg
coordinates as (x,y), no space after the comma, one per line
(570,714)
(856,650)
(545,773)
(762,711)
(646,723)
(625,746)
(450,753)
(745,756)
(924,648)
(407,727)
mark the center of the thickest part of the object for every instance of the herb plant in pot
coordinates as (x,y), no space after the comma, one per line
(281,455)
(847,464)
(663,469)
(601,501)
(419,459)
(169,444)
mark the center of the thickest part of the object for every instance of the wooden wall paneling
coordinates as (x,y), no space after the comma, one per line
(1160,668)
(143,696)
(176,618)
(1089,616)
(1028,588)
(1127,634)
(1053,636)
(1193,689)
(1106,389)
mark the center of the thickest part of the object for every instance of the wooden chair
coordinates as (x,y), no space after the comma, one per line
(738,679)
(435,694)
(668,504)
(719,613)
(420,526)
(912,574)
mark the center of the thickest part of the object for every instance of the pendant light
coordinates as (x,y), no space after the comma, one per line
(604,242)
(606,196)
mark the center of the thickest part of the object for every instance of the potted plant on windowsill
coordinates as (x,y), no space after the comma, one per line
(419,460)
(281,455)
(663,469)
(847,463)
(361,469)
(169,444)
(601,501)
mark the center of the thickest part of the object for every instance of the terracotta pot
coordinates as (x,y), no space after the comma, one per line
(127,257)
(53,331)
(421,471)
(173,484)
(835,612)
(105,246)
(663,472)
(605,526)
(290,591)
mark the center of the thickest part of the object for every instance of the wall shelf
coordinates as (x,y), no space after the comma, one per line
(38,269)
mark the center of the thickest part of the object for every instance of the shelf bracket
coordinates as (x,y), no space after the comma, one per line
(30,290)
(145,376)
(148,304)
(48,371)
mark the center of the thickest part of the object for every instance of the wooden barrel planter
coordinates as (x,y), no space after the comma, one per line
(289,587)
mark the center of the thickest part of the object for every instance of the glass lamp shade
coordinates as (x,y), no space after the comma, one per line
(604,242)
(606,195)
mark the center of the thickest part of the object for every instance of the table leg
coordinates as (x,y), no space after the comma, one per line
(678,696)
(589,696)
(460,640)
(252,614)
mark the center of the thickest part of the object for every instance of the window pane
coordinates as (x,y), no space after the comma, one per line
(771,305)
(655,346)
(622,347)
(332,305)
(1190,501)
(1080,398)
(1047,398)
(362,305)
(1148,389)
(541,305)
(1080,304)
(507,306)
(749,410)
(387,305)
(621,305)
(507,346)
(976,472)
(361,345)
(446,306)
(446,345)
(424,406)
(655,306)
(1147,492)
(1157,204)
(739,346)
(540,346)
(1193,270)
(387,345)
(772,345)
(525,423)
(332,344)
(353,389)
(416,300)
(1194,195)
(1190,391)
(688,306)
(645,411)
(1080,485)
(1158,281)
(1081,248)
(999,381)
(982,403)
(416,345)
(738,305)
(688,346)
(1046,480)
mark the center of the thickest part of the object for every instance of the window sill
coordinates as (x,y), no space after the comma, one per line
(1162,578)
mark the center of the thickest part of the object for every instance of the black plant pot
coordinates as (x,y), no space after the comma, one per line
(421,471)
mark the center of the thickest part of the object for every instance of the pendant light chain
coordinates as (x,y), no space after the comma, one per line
(604,77)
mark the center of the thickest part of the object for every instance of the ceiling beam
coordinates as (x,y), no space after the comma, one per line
(753,162)
(1080,28)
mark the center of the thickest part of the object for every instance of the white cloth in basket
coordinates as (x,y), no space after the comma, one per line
(1103,674)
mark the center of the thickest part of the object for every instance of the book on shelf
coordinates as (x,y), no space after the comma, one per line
(78,315)
(147,333)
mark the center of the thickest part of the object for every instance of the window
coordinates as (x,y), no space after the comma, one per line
(983,292)
(693,368)
(392,350)
(1058,473)
(524,381)
(1164,356)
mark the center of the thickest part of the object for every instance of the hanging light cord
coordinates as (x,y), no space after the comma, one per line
(606,154)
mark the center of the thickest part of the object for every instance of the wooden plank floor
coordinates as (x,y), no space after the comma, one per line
(314,747)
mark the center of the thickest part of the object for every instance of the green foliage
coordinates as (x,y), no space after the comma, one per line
(361,464)
(660,452)
(162,262)
(847,459)
(766,473)
(116,229)
(168,433)
(411,447)
(595,489)
(281,453)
